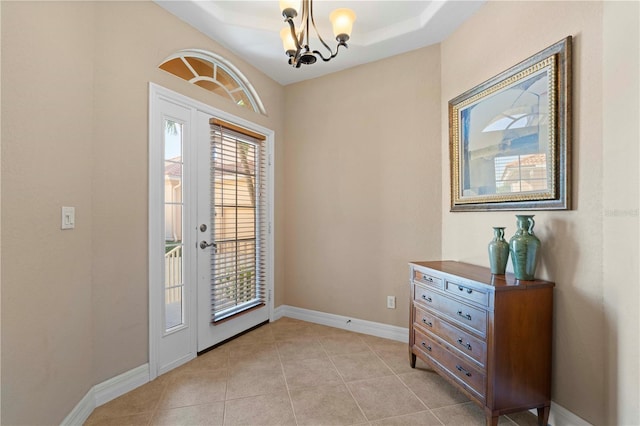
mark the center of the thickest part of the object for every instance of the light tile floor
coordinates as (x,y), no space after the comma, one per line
(291,372)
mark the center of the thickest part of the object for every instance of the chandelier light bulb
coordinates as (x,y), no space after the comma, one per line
(342,21)
(287,40)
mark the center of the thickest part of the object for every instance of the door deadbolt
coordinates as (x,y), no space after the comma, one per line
(203,227)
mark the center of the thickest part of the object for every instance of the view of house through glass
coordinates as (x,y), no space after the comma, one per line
(173,210)
(235,185)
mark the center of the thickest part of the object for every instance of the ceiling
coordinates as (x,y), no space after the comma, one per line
(382,28)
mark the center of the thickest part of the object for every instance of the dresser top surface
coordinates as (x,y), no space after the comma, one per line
(481,274)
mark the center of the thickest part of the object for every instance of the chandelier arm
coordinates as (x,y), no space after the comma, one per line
(293,34)
(333,55)
(313,22)
(304,23)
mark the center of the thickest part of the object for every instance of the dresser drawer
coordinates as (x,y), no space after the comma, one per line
(466,292)
(468,316)
(425,320)
(427,279)
(468,376)
(458,339)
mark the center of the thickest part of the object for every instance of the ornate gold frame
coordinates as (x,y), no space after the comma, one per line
(555,61)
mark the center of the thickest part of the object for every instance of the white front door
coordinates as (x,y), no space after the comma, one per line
(200,273)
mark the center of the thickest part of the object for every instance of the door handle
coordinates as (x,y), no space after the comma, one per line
(204,245)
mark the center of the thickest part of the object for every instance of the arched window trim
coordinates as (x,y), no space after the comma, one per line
(228,67)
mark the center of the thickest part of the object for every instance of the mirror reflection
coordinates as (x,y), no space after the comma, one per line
(505,140)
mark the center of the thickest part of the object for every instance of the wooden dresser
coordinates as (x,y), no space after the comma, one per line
(489,335)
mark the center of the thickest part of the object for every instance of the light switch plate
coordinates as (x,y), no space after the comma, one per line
(68,218)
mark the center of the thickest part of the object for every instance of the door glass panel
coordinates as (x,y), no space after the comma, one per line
(234,171)
(173,225)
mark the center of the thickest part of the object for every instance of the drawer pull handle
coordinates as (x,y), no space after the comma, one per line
(427,298)
(462,370)
(469,291)
(429,323)
(467,345)
(427,347)
(427,278)
(465,316)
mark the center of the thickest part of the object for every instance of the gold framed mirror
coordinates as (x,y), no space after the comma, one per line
(510,137)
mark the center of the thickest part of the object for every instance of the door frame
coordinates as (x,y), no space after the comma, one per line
(156,197)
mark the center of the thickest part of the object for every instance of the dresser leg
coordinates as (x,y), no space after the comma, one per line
(492,420)
(412,360)
(543,415)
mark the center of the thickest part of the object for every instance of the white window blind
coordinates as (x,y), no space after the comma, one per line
(238,214)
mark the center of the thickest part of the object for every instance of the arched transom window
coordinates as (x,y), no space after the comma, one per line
(215,74)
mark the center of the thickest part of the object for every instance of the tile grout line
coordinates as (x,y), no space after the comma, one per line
(156,408)
(226,386)
(511,420)
(286,384)
(404,384)
(344,382)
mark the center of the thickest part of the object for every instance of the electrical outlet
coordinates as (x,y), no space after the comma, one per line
(391,302)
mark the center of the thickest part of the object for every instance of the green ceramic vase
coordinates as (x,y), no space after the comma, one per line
(524,248)
(498,251)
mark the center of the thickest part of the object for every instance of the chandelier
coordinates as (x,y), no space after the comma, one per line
(296,40)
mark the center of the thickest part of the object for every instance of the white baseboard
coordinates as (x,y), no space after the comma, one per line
(558,416)
(81,411)
(378,329)
(121,384)
(175,364)
(105,392)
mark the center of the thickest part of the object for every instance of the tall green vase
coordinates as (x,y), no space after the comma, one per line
(498,251)
(524,248)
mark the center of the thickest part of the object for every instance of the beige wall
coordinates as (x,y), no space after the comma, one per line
(74,102)
(362,194)
(586,369)
(621,200)
(46,163)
